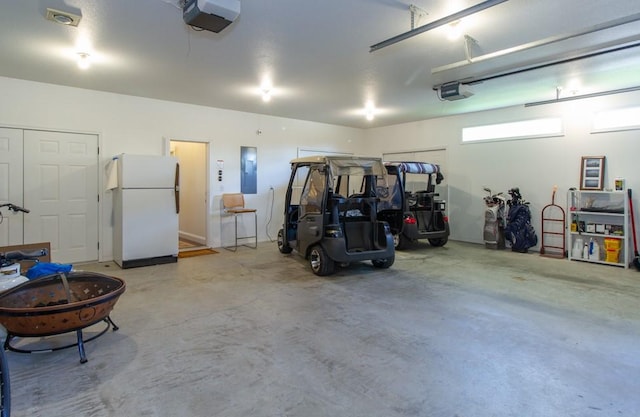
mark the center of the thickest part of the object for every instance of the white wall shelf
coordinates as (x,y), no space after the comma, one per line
(601,219)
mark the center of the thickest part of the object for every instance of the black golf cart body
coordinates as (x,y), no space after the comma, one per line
(330,213)
(411,207)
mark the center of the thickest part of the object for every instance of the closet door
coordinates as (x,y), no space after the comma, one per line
(61,190)
(11,167)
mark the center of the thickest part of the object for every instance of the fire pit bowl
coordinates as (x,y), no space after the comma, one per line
(57,304)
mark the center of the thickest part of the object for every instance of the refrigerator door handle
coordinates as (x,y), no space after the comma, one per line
(176,188)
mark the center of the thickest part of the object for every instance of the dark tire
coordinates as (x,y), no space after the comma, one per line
(5,388)
(283,246)
(438,242)
(383,263)
(320,262)
(400,241)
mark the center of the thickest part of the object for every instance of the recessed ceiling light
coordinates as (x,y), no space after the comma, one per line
(454,30)
(266,89)
(369,110)
(84,60)
(63,18)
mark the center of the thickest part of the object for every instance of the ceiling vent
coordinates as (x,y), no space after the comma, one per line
(63,18)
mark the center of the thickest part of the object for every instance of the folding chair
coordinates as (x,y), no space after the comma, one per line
(233,204)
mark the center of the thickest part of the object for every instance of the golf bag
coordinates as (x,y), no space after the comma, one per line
(494,220)
(519,231)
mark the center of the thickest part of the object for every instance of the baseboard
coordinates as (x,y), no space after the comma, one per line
(200,240)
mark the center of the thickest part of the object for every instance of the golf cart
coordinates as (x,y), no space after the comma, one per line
(411,207)
(330,213)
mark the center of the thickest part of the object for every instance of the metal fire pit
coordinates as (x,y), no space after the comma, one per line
(57,304)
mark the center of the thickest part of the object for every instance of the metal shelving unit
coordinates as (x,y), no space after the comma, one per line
(601,217)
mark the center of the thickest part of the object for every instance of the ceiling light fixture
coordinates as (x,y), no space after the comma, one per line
(84,60)
(369,110)
(437,23)
(266,88)
(454,30)
(63,18)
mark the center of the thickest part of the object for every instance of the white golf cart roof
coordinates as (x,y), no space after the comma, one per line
(345,164)
(415,167)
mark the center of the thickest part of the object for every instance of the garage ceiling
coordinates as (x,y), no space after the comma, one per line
(317,54)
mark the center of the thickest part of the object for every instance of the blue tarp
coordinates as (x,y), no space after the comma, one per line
(41,269)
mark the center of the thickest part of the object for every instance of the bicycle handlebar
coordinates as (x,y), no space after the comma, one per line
(14,208)
(18,255)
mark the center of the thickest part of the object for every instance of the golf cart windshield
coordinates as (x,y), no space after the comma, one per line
(344,165)
(355,166)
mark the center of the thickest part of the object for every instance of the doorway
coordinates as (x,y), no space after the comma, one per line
(193,158)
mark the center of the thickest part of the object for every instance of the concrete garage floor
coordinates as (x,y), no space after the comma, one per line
(458,331)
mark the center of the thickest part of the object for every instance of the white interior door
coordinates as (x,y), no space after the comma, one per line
(11,167)
(61,190)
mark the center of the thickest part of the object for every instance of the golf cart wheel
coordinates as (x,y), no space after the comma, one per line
(320,262)
(399,241)
(5,388)
(438,242)
(283,247)
(383,263)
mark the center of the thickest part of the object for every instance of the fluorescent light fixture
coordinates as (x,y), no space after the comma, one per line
(618,119)
(526,129)
(437,23)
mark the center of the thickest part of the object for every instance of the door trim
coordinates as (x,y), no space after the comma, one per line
(166,141)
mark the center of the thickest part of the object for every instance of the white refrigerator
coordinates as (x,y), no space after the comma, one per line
(145,212)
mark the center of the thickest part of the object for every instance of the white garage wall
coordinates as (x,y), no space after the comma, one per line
(533,165)
(139,126)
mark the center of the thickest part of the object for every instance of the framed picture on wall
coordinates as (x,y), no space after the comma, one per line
(592,173)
